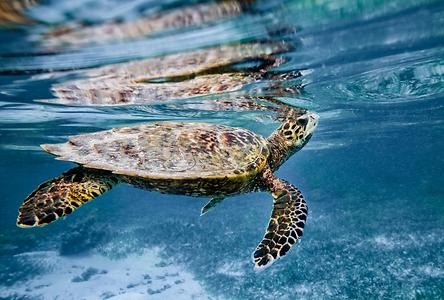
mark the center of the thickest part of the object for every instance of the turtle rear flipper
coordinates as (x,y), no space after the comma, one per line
(60,196)
(286,223)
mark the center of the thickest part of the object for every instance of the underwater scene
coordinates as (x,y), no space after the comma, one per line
(233,149)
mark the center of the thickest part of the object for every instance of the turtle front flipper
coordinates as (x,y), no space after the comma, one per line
(286,224)
(60,196)
(212,203)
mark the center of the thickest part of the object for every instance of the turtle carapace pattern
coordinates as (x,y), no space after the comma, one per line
(172,77)
(195,159)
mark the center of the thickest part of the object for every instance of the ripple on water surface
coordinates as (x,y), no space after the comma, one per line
(373,71)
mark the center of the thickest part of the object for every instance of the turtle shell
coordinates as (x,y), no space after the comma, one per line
(168,150)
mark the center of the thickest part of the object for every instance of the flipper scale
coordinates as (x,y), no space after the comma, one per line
(60,196)
(285,227)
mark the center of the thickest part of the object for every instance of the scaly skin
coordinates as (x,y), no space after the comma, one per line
(286,223)
(62,195)
(281,142)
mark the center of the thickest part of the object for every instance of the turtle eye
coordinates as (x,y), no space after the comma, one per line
(302,121)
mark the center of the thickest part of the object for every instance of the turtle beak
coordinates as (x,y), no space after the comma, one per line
(311,124)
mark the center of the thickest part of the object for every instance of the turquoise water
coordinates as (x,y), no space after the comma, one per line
(371,174)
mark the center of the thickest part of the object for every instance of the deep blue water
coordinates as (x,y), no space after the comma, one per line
(371,174)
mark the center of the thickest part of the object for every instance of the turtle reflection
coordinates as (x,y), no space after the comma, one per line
(178,76)
(77,34)
(13,12)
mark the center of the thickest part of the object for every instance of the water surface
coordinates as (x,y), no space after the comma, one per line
(371,174)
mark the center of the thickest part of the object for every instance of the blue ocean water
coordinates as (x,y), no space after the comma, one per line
(371,174)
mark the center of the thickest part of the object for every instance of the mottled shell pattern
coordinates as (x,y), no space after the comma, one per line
(176,76)
(169,150)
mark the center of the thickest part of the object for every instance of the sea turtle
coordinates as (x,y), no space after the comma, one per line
(177,76)
(195,159)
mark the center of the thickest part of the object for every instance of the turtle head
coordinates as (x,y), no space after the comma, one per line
(294,132)
(297,131)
